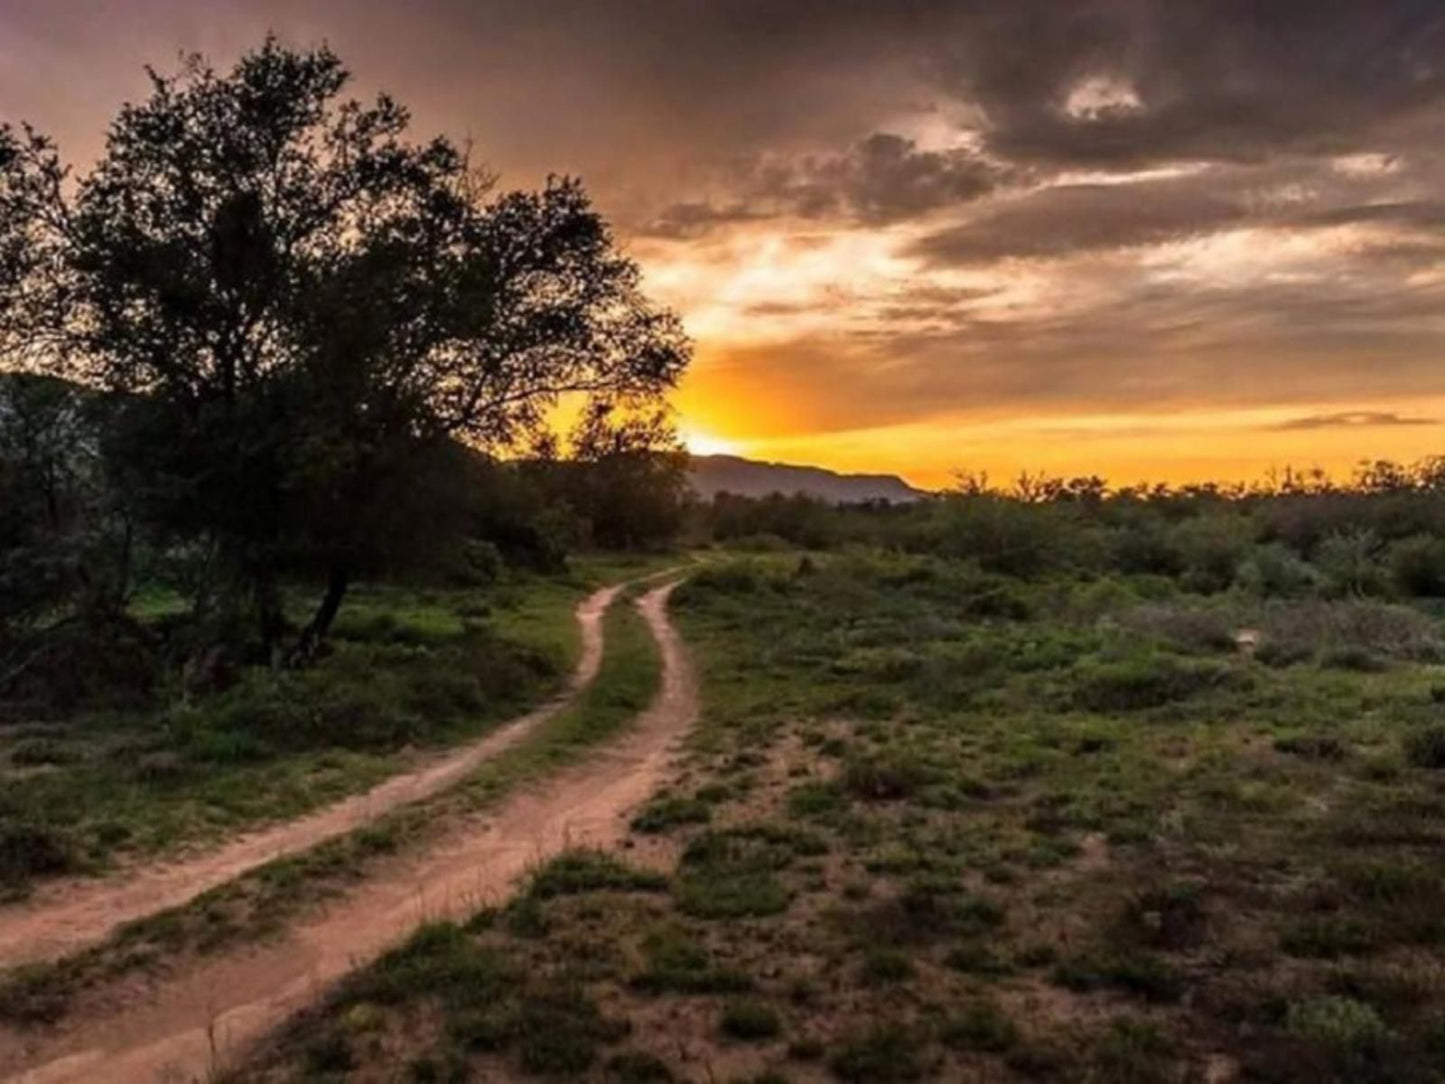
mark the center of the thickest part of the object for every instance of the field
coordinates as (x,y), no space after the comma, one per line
(943,824)
(411,671)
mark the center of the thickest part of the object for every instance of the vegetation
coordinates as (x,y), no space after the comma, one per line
(1052,782)
(946,822)
(259,368)
(261,902)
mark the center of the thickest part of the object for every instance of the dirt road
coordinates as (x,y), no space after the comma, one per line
(201,1020)
(66,916)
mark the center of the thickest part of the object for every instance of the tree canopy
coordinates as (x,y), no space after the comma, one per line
(291,301)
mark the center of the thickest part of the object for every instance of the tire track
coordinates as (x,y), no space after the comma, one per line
(204,1020)
(67,916)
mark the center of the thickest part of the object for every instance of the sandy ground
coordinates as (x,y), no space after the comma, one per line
(65,916)
(202,1020)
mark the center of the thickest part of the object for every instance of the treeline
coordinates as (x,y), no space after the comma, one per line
(1380,533)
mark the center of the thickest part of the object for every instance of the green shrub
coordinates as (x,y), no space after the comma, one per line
(1185,629)
(1341,1024)
(1212,548)
(1169,917)
(1311,746)
(1425,747)
(1299,630)
(36,752)
(585,870)
(1274,570)
(1417,566)
(478,563)
(816,800)
(1349,562)
(1140,973)
(1327,937)
(882,966)
(638,1067)
(677,964)
(1352,657)
(560,1030)
(732,875)
(884,1054)
(885,775)
(982,1026)
(750,1021)
(666,813)
(1132,1052)
(1146,682)
(30,850)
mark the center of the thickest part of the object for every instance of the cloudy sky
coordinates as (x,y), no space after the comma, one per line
(1143,238)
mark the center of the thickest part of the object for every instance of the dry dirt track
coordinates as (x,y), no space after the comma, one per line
(64,917)
(202,1019)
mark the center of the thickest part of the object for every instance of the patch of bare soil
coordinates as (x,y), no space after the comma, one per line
(68,915)
(199,1022)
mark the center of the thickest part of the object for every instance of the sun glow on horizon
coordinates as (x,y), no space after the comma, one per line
(699,442)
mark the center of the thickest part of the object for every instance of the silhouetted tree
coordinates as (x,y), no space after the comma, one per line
(629,475)
(299,305)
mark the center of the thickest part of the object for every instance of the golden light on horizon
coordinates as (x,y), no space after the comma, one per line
(701,442)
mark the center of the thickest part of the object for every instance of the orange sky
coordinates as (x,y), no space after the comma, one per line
(1164,239)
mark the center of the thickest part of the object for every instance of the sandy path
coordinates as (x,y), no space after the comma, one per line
(203,1019)
(65,916)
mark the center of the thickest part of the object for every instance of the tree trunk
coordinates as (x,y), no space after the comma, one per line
(270,618)
(320,624)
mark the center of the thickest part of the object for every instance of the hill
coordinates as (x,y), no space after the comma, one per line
(713,474)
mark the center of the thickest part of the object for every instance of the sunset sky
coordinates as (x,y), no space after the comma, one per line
(1166,239)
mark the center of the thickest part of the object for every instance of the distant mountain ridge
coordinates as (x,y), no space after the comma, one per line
(712,474)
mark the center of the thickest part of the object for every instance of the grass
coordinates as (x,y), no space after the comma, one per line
(940,824)
(410,671)
(261,902)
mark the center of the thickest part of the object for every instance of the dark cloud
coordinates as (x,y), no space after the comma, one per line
(693,219)
(1070,219)
(881,179)
(886,177)
(1227,80)
(1353,419)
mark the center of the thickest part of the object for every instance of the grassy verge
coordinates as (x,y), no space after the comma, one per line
(955,826)
(410,671)
(260,903)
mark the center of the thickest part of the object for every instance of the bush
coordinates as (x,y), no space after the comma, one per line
(1274,571)
(1425,748)
(28,851)
(731,875)
(478,563)
(1188,630)
(750,1021)
(664,814)
(1003,536)
(885,776)
(1213,547)
(1349,563)
(560,1030)
(884,1054)
(1417,566)
(1301,629)
(1145,682)
(882,966)
(982,1026)
(638,1067)
(581,870)
(1340,1024)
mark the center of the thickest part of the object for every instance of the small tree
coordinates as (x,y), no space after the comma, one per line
(297,304)
(628,476)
